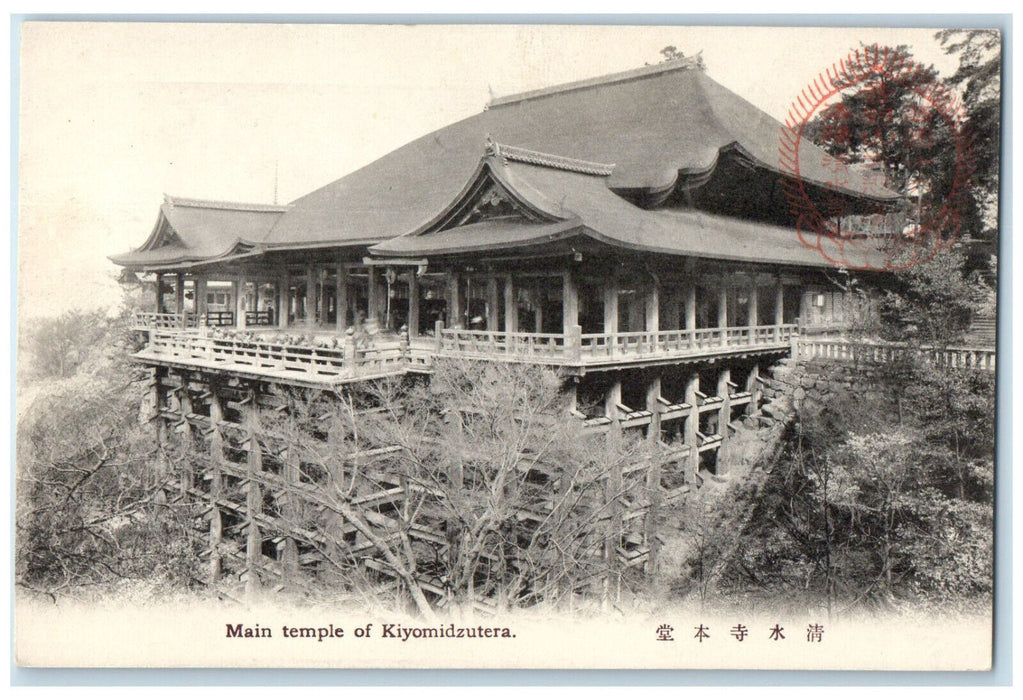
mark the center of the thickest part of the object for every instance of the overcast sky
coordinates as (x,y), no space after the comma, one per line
(114,115)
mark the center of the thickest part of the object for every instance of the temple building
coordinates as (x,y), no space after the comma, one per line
(633,231)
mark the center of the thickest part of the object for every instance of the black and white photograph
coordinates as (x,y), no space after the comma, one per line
(506,346)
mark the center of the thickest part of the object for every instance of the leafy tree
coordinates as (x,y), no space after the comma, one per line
(978,79)
(58,346)
(502,498)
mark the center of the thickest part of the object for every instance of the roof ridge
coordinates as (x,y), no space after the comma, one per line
(215,204)
(631,74)
(550,160)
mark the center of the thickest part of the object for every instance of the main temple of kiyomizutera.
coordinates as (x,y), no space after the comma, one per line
(633,231)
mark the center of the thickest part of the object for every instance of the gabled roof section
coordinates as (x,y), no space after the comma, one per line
(592,210)
(193,230)
(657,124)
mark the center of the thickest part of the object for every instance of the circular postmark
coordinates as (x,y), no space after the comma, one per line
(880,105)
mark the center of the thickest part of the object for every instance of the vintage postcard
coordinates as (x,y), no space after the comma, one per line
(511,346)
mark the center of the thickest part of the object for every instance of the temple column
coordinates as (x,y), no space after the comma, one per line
(511,313)
(200,301)
(753,309)
(216,485)
(691,428)
(652,314)
(159,293)
(179,293)
(492,312)
(725,412)
(454,300)
(723,312)
(611,313)
(413,304)
(373,295)
(690,305)
(284,300)
(779,307)
(240,287)
(341,298)
(569,302)
(653,393)
(310,296)
(253,499)
(612,398)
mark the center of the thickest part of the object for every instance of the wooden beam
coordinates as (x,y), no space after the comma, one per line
(753,307)
(159,293)
(341,296)
(653,393)
(492,312)
(179,293)
(723,311)
(373,295)
(690,304)
(724,414)
(239,303)
(284,302)
(569,301)
(216,486)
(779,303)
(511,309)
(310,296)
(692,427)
(253,500)
(454,301)
(413,304)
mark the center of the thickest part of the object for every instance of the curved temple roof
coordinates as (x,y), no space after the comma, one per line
(586,207)
(656,124)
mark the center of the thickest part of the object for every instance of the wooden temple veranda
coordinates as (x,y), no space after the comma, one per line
(631,231)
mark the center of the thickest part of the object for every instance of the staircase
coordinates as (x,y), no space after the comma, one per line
(982,331)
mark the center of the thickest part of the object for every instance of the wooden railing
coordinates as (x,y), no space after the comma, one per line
(578,348)
(870,352)
(259,318)
(150,320)
(277,359)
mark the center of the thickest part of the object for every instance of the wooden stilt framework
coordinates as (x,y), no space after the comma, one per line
(271,525)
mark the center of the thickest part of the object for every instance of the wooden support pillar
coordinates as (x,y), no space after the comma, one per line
(310,296)
(692,427)
(186,441)
(723,312)
(373,295)
(413,304)
(253,499)
(611,314)
(653,309)
(690,305)
(241,287)
(653,393)
(779,304)
(573,393)
(569,301)
(753,307)
(653,477)
(216,486)
(613,489)
(753,387)
(455,301)
(284,300)
(158,308)
(201,303)
(724,413)
(612,398)
(492,311)
(290,510)
(179,293)
(511,309)
(341,298)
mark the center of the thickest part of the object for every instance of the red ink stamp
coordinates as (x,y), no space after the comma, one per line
(888,193)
